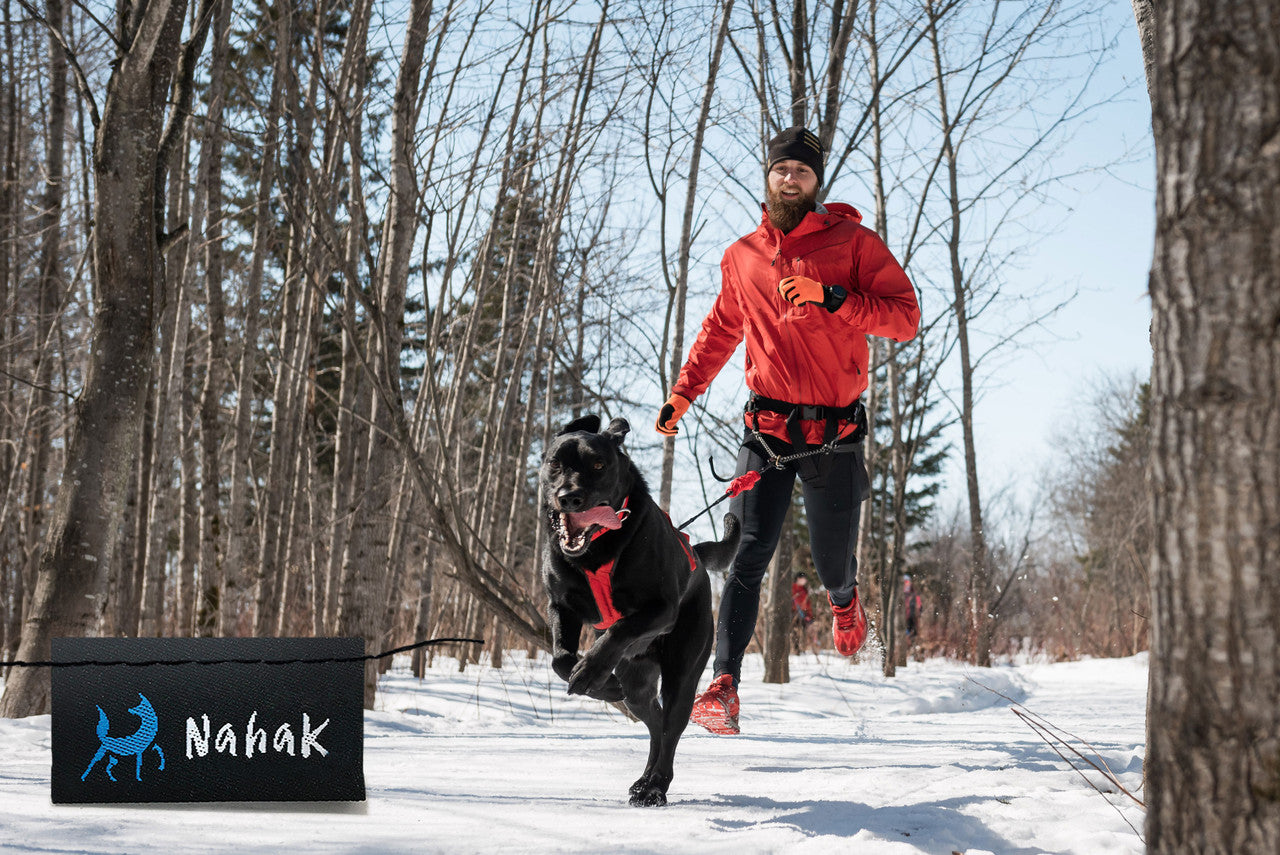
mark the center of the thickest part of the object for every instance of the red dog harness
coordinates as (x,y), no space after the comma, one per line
(601,578)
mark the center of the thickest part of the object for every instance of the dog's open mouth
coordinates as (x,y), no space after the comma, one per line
(575,531)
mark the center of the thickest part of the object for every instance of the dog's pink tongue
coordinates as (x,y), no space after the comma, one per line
(601,515)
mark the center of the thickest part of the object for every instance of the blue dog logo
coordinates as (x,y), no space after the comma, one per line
(136,745)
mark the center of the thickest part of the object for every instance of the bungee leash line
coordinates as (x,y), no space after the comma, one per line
(741,484)
(751,477)
(748,479)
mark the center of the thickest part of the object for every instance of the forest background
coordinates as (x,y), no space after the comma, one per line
(294,293)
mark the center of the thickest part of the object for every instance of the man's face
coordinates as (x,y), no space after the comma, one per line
(791,191)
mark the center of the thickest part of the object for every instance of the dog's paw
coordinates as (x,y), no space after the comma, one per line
(563,665)
(645,794)
(610,691)
(589,677)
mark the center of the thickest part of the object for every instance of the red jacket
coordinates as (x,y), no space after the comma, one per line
(800,598)
(805,354)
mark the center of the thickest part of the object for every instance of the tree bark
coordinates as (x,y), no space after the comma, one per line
(680,296)
(209,602)
(778,611)
(274,532)
(979,569)
(42,422)
(241,544)
(11,569)
(362,607)
(1213,726)
(101,446)
(346,458)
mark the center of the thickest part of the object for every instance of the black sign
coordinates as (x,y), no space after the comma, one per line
(270,729)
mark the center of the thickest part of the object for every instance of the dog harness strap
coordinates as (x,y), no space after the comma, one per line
(684,543)
(601,582)
(601,579)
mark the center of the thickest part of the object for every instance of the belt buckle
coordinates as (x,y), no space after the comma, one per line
(811,413)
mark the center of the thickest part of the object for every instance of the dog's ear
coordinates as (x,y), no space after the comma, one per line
(587,424)
(618,430)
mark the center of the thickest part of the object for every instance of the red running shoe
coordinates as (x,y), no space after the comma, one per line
(849,625)
(716,709)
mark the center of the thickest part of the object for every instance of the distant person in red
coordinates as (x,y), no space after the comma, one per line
(910,607)
(800,604)
(802,621)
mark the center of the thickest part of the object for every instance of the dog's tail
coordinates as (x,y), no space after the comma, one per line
(717,555)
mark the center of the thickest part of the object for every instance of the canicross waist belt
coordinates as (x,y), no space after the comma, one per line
(854,412)
(811,469)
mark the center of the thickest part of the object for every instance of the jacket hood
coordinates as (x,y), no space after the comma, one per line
(840,209)
(831,209)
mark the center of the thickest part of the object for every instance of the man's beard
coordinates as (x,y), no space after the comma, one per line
(786,214)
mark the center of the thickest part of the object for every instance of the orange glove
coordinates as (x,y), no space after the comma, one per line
(675,407)
(798,290)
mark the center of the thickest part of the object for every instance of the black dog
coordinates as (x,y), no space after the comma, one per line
(614,560)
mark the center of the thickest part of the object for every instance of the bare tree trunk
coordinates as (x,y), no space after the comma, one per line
(1144,13)
(130,607)
(274,533)
(189,527)
(870,531)
(175,334)
(11,568)
(1213,724)
(41,422)
(209,604)
(422,624)
(362,606)
(101,447)
(160,514)
(891,569)
(241,543)
(979,569)
(279,499)
(797,66)
(679,295)
(346,458)
(778,611)
(190,211)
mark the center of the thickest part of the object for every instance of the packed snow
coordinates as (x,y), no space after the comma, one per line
(943,758)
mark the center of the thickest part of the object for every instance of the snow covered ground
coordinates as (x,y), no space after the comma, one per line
(839,760)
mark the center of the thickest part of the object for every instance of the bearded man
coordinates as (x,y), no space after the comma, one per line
(804,290)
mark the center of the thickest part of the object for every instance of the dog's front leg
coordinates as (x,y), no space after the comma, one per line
(566,628)
(630,635)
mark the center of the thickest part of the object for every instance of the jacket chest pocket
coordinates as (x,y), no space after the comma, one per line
(826,262)
(795,266)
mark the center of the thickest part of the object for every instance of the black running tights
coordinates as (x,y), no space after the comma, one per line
(832,510)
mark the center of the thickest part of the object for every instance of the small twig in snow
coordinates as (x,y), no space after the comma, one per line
(1054,737)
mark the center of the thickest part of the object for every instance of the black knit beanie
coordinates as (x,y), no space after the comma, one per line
(797,144)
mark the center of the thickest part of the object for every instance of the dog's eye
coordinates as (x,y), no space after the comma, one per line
(554,466)
(598,465)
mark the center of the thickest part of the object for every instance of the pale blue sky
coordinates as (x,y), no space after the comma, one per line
(1103,247)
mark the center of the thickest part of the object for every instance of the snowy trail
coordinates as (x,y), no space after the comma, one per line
(838,760)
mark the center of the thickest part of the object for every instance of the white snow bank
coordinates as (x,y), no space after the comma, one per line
(966,692)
